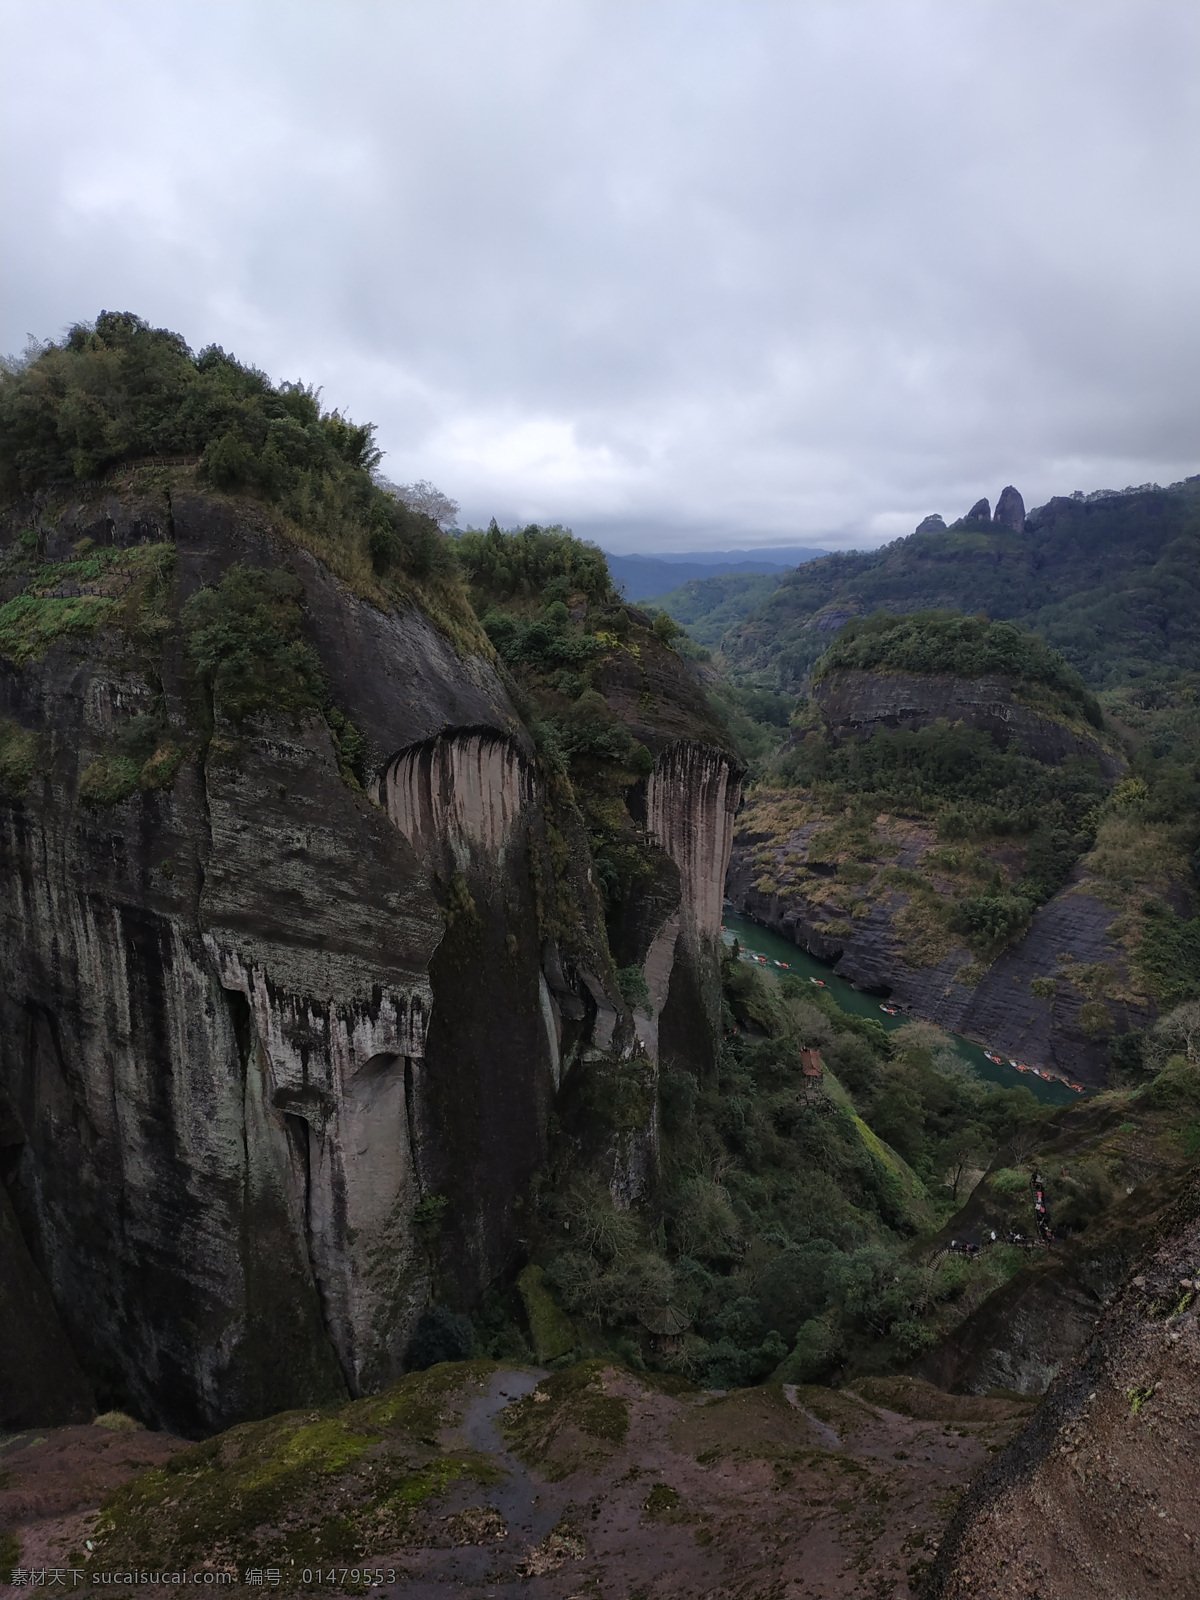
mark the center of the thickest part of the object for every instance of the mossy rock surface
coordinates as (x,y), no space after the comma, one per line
(331,1488)
(551,1330)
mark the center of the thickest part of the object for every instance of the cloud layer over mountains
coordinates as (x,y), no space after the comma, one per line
(685,272)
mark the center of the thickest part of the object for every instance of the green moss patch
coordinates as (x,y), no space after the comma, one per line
(18,756)
(30,624)
(551,1330)
(329,1488)
(116,584)
(160,769)
(108,779)
(662,1503)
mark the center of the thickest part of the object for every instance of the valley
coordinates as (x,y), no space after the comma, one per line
(408,1164)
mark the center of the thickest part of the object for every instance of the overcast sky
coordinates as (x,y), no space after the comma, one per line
(674,273)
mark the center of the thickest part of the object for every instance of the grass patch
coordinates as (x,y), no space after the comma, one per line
(129,586)
(108,780)
(18,756)
(30,624)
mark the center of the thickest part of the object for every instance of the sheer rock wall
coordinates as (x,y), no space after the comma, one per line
(223,1094)
(856,703)
(251,1021)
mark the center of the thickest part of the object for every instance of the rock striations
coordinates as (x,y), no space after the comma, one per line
(856,703)
(278,1056)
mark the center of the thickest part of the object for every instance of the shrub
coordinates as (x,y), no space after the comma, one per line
(815,1353)
(992,919)
(160,768)
(523,563)
(1168,954)
(1095,1019)
(1008,1182)
(245,643)
(18,756)
(108,780)
(635,991)
(1177,1085)
(441,1335)
(121,390)
(666,629)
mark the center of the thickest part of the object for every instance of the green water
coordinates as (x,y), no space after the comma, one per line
(779,952)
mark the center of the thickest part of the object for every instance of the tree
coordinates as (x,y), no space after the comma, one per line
(425,499)
(962,1150)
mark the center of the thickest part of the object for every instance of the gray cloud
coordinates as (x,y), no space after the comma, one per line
(735,271)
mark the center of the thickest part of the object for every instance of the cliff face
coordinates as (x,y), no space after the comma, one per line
(877,898)
(1076,931)
(856,703)
(277,1056)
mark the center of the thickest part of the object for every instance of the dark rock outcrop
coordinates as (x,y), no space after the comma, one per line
(41,1382)
(934,523)
(1010,510)
(981,511)
(280,1056)
(856,703)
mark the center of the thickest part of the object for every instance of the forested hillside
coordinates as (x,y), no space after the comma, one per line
(1107,579)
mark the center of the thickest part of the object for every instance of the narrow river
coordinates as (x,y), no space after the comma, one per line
(778,953)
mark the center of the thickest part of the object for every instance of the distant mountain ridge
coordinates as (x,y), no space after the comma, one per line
(1108,578)
(638,577)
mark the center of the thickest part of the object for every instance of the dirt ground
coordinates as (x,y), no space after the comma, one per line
(761,1494)
(1100,1499)
(52,1481)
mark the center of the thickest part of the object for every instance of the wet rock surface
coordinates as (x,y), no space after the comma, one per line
(490,1480)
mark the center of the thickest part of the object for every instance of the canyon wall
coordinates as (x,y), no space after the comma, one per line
(691,803)
(278,1056)
(217,1046)
(855,704)
(885,940)
(993,1004)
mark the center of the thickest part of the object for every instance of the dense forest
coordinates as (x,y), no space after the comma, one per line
(1109,580)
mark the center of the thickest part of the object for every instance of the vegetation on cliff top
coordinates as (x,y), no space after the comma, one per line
(547,604)
(120,391)
(1107,580)
(980,799)
(989,834)
(961,647)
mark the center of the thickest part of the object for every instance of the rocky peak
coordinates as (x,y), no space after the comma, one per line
(934,523)
(981,511)
(1010,509)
